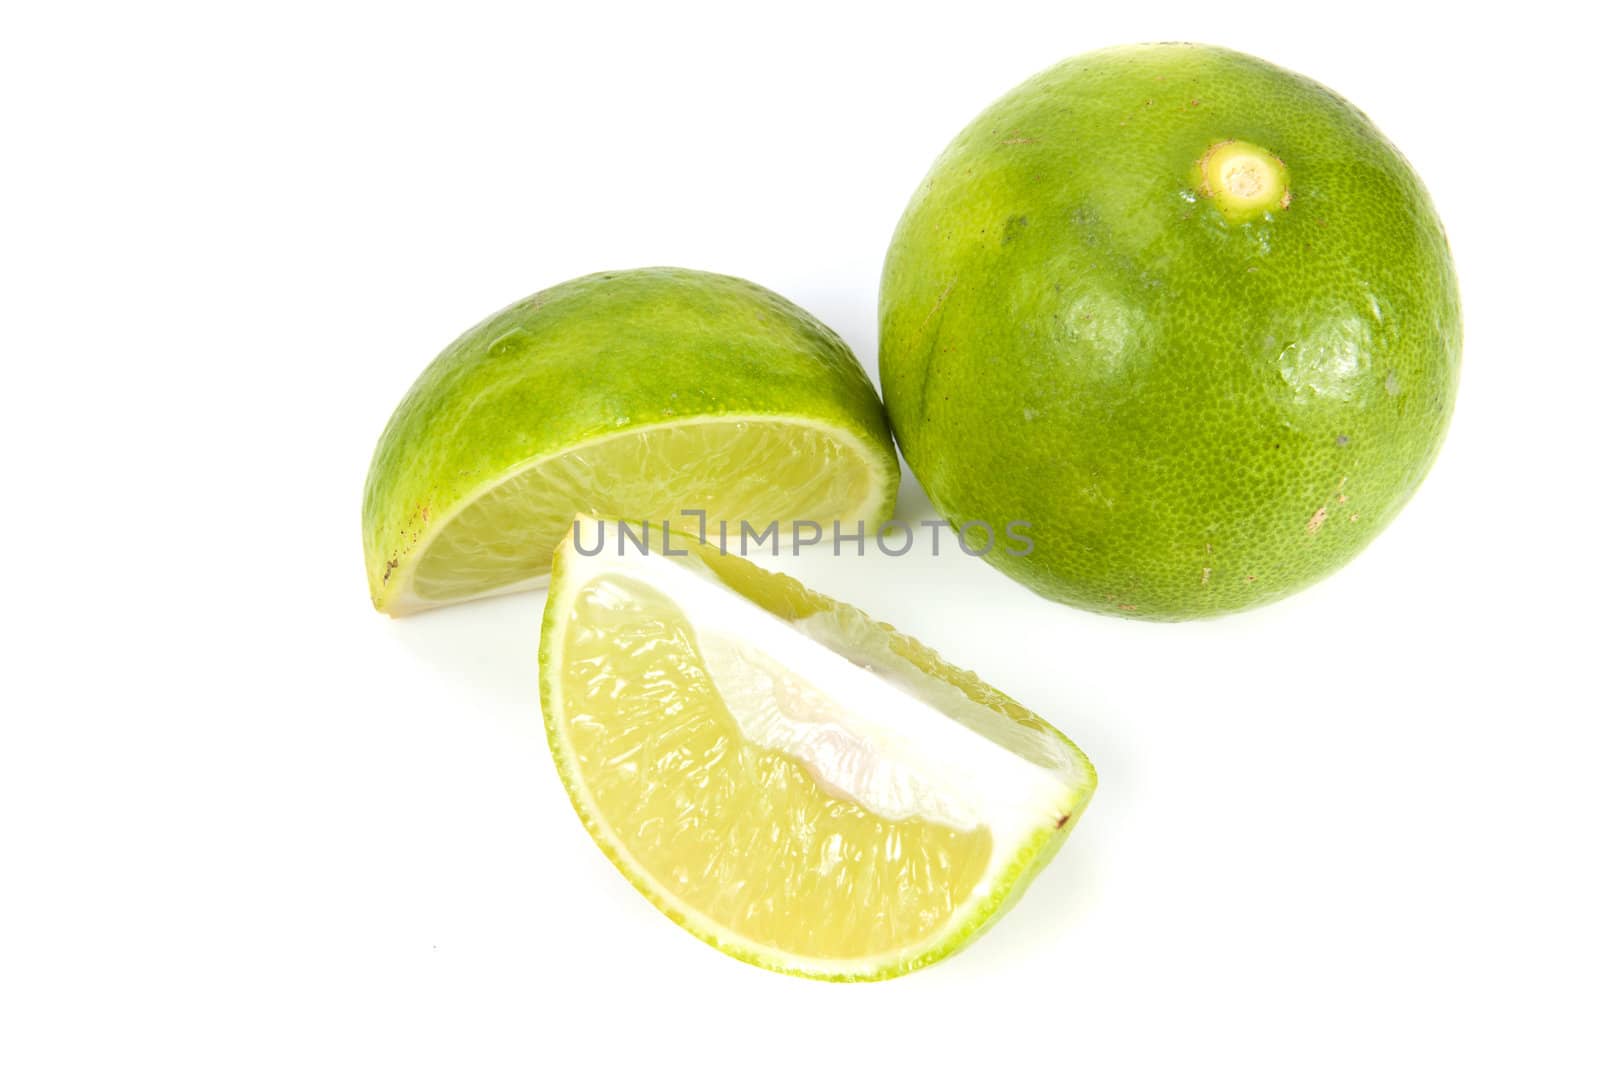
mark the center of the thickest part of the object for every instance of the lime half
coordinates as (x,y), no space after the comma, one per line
(799,786)
(644,394)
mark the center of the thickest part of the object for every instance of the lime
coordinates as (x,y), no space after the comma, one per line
(1188,314)
(799,786)
(639,393)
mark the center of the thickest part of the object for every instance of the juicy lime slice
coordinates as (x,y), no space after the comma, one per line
(799,786)
(741,470)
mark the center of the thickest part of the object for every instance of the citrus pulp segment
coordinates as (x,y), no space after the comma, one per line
(720,470)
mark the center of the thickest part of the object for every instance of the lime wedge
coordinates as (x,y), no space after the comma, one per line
(800,786)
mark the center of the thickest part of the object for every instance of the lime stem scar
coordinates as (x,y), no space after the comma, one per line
(1243,180)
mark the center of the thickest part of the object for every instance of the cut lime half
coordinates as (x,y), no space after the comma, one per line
(643,394)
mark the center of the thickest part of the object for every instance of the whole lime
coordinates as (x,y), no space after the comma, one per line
(1187,314)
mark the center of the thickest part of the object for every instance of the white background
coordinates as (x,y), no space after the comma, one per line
(246,819)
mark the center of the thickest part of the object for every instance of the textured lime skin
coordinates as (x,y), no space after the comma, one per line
(1197,416)
(593,356)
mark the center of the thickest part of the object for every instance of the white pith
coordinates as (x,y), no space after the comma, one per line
(1244,178)
(861,736)
(404,601)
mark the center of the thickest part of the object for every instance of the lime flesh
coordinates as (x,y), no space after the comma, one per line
(802,787)
(716,471)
